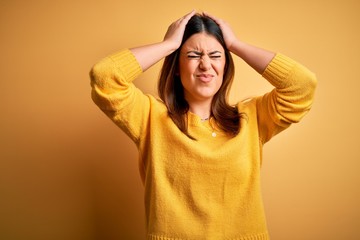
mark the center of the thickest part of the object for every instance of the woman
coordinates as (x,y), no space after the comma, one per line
(200,157)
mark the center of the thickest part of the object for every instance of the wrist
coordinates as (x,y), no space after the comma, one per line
(169,46)
(237,47)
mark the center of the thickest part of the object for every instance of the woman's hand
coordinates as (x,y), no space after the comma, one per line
(176,30)
(228,34)
(256,57)
(148,55)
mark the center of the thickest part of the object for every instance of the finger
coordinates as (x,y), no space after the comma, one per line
(188,16)
(217,20)
(209,15)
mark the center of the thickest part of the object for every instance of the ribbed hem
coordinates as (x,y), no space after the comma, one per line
(129,65)
(279,69)
(262,236)
(157,237)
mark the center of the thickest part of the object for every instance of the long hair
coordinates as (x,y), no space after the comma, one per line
(171,91)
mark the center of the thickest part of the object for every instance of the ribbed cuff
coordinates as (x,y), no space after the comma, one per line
(278,70)
(129,65)
(262,236)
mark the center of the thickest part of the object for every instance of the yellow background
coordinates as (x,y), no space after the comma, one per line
(67,172)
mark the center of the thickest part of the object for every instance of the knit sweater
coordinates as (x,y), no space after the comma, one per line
(208,188)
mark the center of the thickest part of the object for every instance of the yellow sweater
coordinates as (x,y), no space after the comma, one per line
(209,188)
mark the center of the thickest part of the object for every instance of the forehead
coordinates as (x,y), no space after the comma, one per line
(202,42)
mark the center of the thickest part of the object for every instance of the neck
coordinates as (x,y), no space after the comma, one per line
(202,109)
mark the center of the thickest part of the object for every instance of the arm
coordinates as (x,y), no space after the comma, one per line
(150,54)
(111,80)
(255,57)
(294,84)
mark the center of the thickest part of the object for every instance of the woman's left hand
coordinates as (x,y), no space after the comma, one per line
(228,34)
(176,30)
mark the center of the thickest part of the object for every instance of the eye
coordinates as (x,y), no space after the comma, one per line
(193,56)
(215,56)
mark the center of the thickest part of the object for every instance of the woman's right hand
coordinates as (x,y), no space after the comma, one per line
(176,30)
(256,57)
(150,54)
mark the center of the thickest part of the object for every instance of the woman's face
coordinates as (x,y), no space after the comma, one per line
(201,64)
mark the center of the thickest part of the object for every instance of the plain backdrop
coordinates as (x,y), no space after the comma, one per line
(67,172)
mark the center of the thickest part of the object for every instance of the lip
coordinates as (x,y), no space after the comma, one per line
(204,77)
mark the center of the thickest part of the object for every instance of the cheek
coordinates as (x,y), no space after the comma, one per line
(187,69)
(219,83)
(219,67)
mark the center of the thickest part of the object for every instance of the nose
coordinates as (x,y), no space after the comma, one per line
(205,63)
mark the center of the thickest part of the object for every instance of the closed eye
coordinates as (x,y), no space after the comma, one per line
(194,56)
(215,54)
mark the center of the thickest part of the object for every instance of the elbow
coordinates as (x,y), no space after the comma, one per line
(304,92)
(311,88)
(96,74)
(312,82)
(101,72)
(93,74)
(306,103)
(293,107)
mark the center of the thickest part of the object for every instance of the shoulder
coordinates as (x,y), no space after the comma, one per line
(247,105)
(156,104)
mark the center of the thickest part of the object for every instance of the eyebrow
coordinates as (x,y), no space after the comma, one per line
(200,53)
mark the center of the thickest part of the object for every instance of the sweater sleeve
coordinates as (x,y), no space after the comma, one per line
(289,101)
(116,95)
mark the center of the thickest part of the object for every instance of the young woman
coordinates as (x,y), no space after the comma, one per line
(199,156)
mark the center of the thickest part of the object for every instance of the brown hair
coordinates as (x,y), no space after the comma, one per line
(171,90)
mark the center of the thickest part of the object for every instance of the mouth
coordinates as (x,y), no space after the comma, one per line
(205,77)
